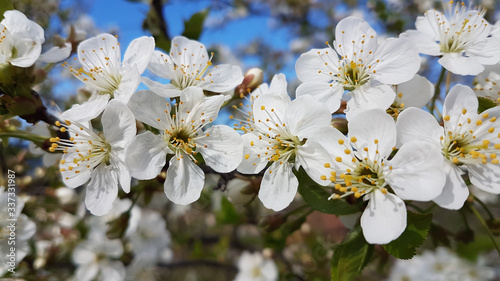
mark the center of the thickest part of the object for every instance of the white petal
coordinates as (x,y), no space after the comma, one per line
(224,148)
(130,80)
(184,181)
(368,97)
(56,54)
(145,156)
(418,171)
(223,78)
(112,271)
(455,190)
(163,90)
(139,53)
(162,65)
(311,66)
(82,254)
(353,35)
(398,61)
(88,110)
(313,157)
(423,42)
(87,272)
(460,97)
(188,52)
(373,125)
(417,124)
(202,109)
(124,177)
(278,85)
(417,92)
(118,124)
(102,190)
(70,178)
(304,115)
(278,187)
(254,151)
(269,110)
(485,177)
(384,219)
(94,51)
(458,64)
(323,92)
(149,107)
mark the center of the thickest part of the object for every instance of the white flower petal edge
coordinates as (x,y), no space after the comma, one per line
(102,190)
(184,181)
(145,156)
(279,186)
(384,219)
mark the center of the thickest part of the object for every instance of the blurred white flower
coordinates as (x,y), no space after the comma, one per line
(488,83)
(442,264)
(255,267)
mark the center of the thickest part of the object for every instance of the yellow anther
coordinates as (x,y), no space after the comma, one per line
(347,151)
(341,141)
(338,159)
(479,122)
(262,107)
(327,165)
(353,139)
(247,156)
(323,177)
(58,123)
(486,115)
(464,111)
(455,160)
(447,118)
(384,191)
(494,161)
(376,141)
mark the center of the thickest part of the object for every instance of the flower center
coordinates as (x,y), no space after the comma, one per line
(353,75)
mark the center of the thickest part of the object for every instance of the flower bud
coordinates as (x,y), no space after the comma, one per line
(253,78)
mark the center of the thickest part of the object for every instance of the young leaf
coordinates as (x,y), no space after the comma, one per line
(406,245)
(317,197)
(350,256)
(194,26)
(485,103)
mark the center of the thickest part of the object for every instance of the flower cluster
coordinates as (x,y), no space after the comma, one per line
(402,143)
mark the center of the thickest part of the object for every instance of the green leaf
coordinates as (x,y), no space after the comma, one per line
(484,104)
(317,197)
(5,5)
(350,256)
(417,227)
(227,213)
(194,26)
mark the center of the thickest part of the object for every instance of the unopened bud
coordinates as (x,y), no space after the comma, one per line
(253,78)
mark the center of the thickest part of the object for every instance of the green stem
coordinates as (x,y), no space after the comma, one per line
(486,209)
(437,90)
(234,97)
(38,140)
(481,220)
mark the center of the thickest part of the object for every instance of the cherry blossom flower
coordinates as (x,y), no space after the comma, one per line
(255,267)
(182,135)
(99,158)
(106,74)
(356,64)
(22,39)
(97,258)
(283,132)
(467,140)
(189,65)
(488,83)
(362,168)
(414,93)
(460,37)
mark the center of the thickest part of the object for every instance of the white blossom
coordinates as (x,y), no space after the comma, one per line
(460,37)
(255,267)
(181,134)
(189,65)
(356,64)
(362,168)
(467,140)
